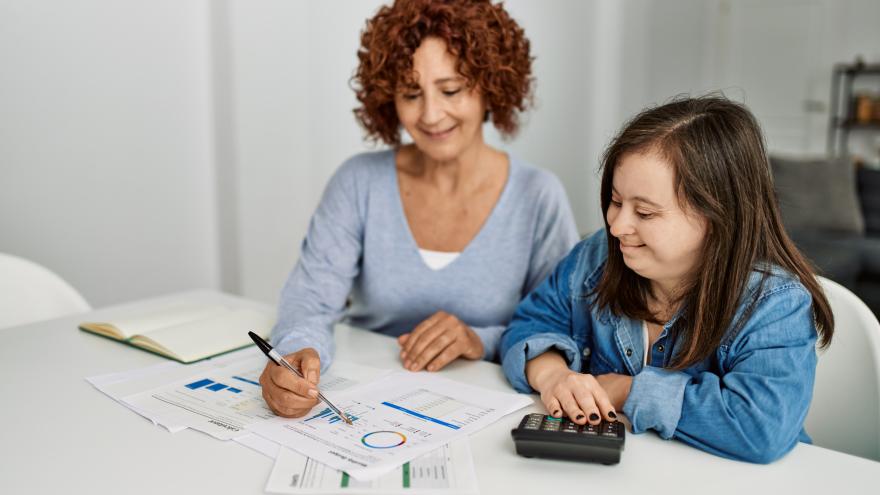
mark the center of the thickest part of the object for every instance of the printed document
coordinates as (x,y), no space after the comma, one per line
(396,419)
(447,470)
(225,400)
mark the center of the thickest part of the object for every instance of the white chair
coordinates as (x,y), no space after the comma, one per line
(845,413)
(30,292)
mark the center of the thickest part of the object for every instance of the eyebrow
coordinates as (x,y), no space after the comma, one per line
(449,79)
(641,199)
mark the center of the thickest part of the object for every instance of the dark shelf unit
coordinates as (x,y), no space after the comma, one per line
(842,120)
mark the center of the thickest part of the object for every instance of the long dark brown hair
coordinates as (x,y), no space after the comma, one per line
(717,152)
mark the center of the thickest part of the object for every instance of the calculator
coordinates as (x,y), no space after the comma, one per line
(540,435)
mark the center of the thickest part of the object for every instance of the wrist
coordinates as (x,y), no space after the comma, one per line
(543,369)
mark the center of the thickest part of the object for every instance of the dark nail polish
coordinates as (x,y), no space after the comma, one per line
(579,417)
(556,412)
(594,417)
(612,415)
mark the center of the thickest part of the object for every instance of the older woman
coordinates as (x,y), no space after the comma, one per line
(433,242)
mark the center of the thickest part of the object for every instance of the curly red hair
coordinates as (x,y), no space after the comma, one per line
(492,51)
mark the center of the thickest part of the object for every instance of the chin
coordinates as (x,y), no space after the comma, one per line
(441,153)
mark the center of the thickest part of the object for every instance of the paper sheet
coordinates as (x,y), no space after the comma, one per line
(396,419)
(448,470)
(225,400)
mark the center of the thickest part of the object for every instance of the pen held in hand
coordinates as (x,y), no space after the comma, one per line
(280,361)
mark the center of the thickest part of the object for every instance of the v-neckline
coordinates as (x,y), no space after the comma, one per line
(414,246)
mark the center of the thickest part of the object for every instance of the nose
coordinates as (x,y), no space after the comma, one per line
(620,222)
(432,110)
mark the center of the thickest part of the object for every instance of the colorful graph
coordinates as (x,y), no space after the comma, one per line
(331,416)
(211,385)
(383,439)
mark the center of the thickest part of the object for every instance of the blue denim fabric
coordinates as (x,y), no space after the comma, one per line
(746,401)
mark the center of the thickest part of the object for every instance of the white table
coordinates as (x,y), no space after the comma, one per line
(60,435)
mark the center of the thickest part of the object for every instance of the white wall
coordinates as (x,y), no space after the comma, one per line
(106,174)
(147,147)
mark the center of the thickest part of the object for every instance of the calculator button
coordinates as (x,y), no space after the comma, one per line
(551,425)
(609,429)
(570,427)
(589,429)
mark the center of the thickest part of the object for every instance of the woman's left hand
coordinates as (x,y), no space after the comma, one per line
(437,341)
(617,387)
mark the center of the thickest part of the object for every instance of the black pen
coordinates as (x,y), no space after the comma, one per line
(280,361)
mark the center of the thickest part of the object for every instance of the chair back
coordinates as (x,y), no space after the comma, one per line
(30,292)
(845,412)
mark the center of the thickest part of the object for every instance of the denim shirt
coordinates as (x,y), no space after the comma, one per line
(746,401)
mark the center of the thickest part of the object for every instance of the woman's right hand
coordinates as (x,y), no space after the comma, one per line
(563,391)
(286,394)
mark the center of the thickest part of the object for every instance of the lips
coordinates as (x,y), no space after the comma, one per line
(438,134)
(630,247)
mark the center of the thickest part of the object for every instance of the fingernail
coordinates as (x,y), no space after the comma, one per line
(594,417)
(556,412)
(313,393)
(612,415)
(579,417)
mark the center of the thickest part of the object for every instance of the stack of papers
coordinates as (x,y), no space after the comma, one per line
(409,433)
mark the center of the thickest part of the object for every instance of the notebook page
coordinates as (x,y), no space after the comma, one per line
(196,340)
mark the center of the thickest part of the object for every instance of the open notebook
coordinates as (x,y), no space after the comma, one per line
(187,333)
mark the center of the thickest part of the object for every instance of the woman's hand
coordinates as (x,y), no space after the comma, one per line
(286,394)
(437,341)
(563,391)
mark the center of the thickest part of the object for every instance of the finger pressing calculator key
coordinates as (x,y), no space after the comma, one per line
(540,435)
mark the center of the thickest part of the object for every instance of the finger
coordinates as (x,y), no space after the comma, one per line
(585,394)
(432,343)
(553,406)
(288,382)
(444,357)
(401,339)
(423,339)
(310,367)
(307,362)
(420,329)
(570,407)
(606,408)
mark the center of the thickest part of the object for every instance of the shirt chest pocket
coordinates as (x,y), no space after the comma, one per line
(597,364)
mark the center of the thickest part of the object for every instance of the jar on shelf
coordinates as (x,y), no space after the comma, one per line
(864,108)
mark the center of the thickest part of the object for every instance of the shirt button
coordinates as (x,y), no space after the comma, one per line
(660,348)
(629,352)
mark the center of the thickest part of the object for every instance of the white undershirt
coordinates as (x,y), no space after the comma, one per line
(645,338)
(437,260)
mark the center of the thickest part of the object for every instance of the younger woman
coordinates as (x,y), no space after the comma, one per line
(692,312)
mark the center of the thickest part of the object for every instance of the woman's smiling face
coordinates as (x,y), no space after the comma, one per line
(659,240)
(441,113)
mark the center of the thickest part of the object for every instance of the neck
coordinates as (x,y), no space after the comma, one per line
(665,293)
(464,171)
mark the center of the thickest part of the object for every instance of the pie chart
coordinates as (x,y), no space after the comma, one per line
(383,439)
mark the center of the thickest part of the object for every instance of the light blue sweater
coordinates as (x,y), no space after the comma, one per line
(360,264)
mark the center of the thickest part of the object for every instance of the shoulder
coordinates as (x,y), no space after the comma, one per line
(360,172)
(773,282)
(775,306)
(366,164)
(535,183)
(586,261)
